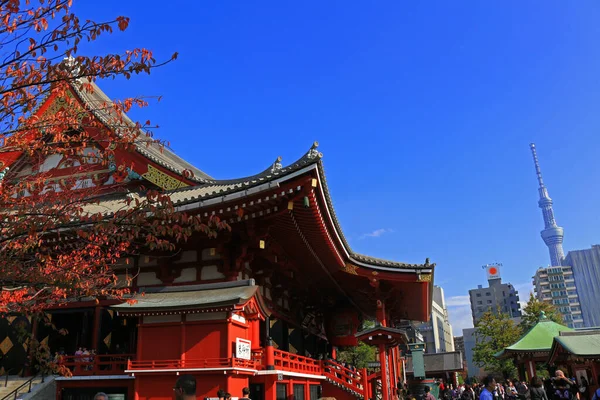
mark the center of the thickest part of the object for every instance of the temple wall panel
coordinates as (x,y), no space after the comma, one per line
(211,272)
(148,278)
(205,340)
(235,384)
(187,275)
(160,342)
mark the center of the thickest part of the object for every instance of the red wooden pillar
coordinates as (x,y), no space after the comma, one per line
(136,388)
(365,381)
(182,349)
(96,331)
(229,339)
(384,386)
(307,390)
(270,358)
(394,374)
(255,334)
(530,369)
(138,354)
(290,389)
(334,352)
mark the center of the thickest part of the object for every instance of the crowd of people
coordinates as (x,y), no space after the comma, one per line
(557,388)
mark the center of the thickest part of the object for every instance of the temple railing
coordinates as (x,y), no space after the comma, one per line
(342,376)
(94,364)
(291,362)
(335,373)
(206,363)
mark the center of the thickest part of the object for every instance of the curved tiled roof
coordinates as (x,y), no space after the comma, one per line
(537,339)
(272,175)
(102,107)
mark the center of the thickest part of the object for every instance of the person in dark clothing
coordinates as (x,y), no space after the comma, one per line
(468,393)
(563,388)
(584,389)
(536,389)
(185,388)
(245,394)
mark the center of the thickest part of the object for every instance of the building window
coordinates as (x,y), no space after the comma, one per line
(478,295)
(314,392)
(281,391)
(480,309)
(489,302)
(480,302)
(298,391)
(488,294)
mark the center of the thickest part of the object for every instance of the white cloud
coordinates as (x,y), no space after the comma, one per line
(376,233)
(460,318)
(458,301)
(459,312)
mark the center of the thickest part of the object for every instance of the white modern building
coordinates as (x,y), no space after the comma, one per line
(437,332)
(556,285)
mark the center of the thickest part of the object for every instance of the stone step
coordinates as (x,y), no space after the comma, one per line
(14,383)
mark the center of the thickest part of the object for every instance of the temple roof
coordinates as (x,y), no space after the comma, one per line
(172,299)
(579,343)
(209,191)
(223,191)
(537,339)
(102,107)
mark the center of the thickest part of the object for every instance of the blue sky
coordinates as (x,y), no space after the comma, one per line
(424,112)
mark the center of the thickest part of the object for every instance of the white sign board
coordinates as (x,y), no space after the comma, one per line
(493,271)
(243,349)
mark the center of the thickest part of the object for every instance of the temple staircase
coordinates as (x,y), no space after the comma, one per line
(16,386)
(344,379)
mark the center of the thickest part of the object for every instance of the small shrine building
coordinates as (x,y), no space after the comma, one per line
(533,347)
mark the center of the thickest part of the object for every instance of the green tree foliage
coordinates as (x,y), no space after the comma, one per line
(495,331)
(533,310)
(357,356)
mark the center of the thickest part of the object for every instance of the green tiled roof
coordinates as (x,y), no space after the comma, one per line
(584,345)
(538,339)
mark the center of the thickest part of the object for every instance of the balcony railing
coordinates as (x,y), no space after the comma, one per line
(206,363)
(105,364)
(285,361)
(345,378)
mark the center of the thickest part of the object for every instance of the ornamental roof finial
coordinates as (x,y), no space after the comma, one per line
(71,64)
(313,152)
(276,167)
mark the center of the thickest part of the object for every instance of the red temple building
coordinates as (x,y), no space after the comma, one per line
(263,306)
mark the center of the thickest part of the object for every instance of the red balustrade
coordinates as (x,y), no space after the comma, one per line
(285,361)
(105,364)
(191,364)
(338,374)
